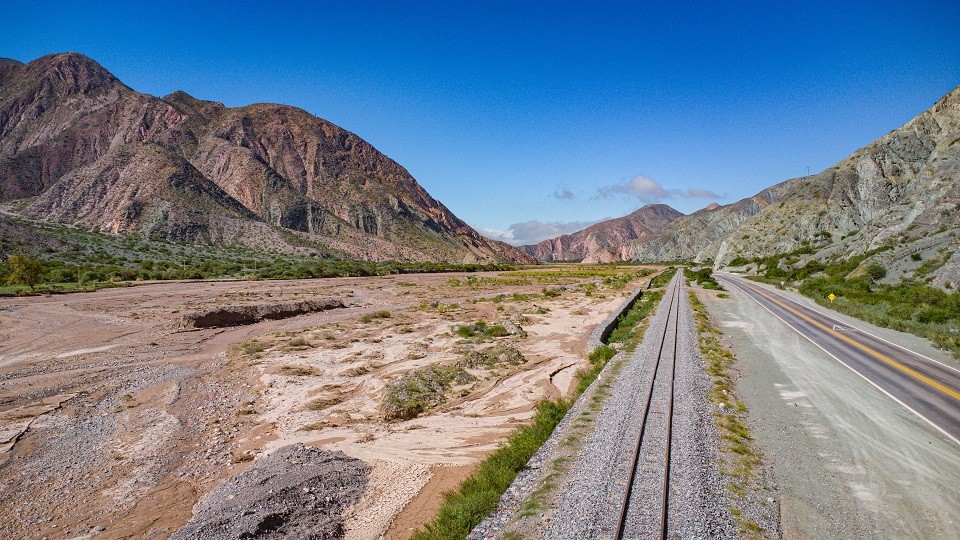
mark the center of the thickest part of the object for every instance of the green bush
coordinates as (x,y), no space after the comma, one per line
(875,271)
(419,390)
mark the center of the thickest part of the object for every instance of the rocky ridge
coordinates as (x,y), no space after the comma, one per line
(896,200)
(96,153)
(602,242)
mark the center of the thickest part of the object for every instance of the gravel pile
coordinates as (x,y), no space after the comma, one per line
(295,492)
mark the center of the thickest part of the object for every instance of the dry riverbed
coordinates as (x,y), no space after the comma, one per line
(115,419)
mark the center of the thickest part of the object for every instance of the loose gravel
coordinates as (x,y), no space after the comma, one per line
(296,492)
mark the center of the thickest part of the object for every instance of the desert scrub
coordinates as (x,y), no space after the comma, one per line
(298,371)
(370,317)
(299,343)
(740,457)
(497,355)
(482,330)
(420,390)
(253,347)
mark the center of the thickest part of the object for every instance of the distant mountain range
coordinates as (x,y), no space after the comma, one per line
(896,200)
(608,240)
(84,149)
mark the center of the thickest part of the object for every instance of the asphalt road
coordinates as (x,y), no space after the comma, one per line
(928,388)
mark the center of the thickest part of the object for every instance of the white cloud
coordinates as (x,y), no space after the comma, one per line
(697,193)
(562,194)
(642,187)
(532,232)
(649,190)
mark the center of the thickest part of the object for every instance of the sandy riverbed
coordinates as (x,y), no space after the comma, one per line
(113,423)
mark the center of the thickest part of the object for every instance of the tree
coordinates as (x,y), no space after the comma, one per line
(24,270)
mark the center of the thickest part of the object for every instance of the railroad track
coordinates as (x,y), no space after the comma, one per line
(644,511)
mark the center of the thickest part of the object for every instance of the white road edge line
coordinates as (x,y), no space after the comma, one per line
(891,396)
(851,326)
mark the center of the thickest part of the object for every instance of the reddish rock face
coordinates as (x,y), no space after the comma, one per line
(603,242)
(98,153)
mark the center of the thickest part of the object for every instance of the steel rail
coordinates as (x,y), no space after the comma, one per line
(673,315)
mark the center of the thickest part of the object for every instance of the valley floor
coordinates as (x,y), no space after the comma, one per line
(114,421)
(849,462)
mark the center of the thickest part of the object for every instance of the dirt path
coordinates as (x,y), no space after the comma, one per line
(114,423)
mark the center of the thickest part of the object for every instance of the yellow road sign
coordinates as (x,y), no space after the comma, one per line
(832,297)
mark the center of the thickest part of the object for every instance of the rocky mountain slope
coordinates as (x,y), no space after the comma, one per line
(603,242)
(94,152)
(896,200)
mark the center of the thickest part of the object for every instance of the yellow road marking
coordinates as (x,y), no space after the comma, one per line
(876,354)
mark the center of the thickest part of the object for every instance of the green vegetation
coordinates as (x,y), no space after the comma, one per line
(497,355)
(482,330)
(704,277)
(421,389)
(741,459)
(909,306)
(663,278)
(64,259)
(478,495)
(627,322)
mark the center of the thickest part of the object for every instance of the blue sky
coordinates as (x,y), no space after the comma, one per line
(531,119)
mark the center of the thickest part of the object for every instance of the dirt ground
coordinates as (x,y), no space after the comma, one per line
(114,421)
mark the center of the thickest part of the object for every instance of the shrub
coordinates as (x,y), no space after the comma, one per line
(934,315)
(419,390)
(875,271)
(497,355)
(24,271)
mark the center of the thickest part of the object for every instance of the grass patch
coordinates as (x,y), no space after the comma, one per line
(625,331)
(482,330)
(741,458)
(663,278)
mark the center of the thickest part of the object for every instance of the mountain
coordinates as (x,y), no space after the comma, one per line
(94,152)
(602,241)
(690,238)
(897,198)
